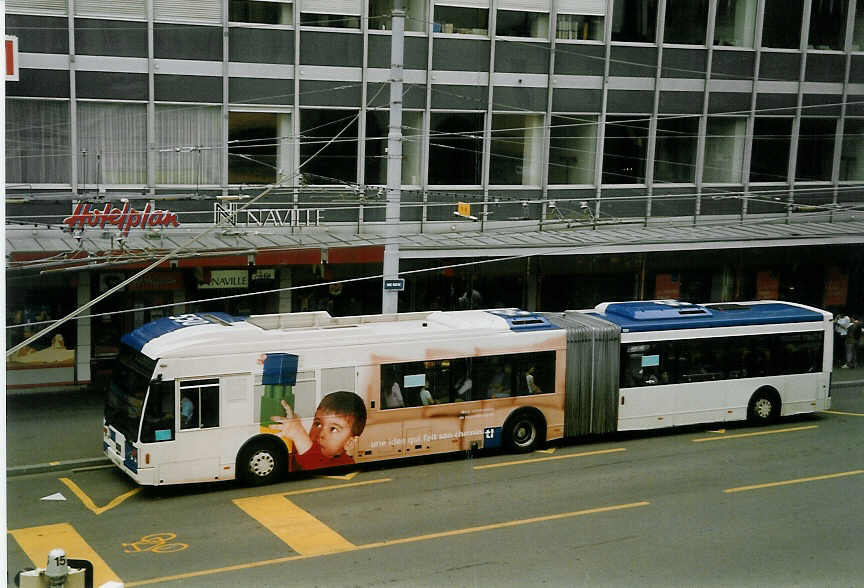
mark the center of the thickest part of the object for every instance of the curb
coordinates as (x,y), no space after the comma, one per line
(847,384)
(51,466)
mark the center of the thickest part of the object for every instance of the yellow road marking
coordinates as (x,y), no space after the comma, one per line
(550,450)
(402,541)
(843,413)
(539,459)
(90,504)
(350,476)
(796,481)
(36,542)
(300,530)
(333,487)
(506,524)
(758,433)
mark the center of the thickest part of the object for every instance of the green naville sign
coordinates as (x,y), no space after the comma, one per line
(397,284)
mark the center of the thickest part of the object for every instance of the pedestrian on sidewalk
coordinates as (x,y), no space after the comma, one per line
(842,322)
(853,337)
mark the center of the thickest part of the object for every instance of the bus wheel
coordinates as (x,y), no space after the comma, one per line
(764,406)
(260,463)
(523,432)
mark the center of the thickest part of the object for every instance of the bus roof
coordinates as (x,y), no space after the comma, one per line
(207,333)
(664,315)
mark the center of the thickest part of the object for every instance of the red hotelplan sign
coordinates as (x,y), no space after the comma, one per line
(10,56)
(124,219)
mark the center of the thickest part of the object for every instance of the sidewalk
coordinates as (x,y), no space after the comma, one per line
(48,430)
(847,376)
(63,430)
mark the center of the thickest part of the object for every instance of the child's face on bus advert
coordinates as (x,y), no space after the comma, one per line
(331,432)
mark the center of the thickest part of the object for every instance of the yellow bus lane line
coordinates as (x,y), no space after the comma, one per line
(795,481)
(88,502)
(539,459)
(840,412)
(392,542)
(756,434)
(36,542)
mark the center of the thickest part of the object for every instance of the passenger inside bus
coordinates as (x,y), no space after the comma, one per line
(462,389)
(187,413)
(533,388)
(394,398)
(499,386)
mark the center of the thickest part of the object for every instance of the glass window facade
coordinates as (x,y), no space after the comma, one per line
(518,23)
(725,140)
(582,27)
(735,23)
(634,21)
(770,154)
(675,149)
(535,126)
(686,22)
(455,148)
(572,149)
(254,11)
(781,26)
(461,20)
(625,150)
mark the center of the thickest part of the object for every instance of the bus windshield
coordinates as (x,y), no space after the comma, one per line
(130,377)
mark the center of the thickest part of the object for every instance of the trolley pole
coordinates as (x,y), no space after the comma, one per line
(390,297)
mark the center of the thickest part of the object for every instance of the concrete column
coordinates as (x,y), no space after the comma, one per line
(285,298)
(179,296)
(84,341)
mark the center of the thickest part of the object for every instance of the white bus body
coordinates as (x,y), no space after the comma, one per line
(190,398)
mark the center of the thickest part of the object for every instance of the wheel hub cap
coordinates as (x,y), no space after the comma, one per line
(763,408)
(262,463)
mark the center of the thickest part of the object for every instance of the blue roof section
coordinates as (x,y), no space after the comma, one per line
(665,316)
(522,320)
(138,338)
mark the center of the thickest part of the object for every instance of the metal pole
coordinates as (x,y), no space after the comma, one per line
(390,298)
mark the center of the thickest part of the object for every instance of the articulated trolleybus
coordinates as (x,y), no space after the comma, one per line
(201,397)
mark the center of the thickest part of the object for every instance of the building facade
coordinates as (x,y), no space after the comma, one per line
(542,115)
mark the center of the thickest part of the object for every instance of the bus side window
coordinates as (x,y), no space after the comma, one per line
(199,404)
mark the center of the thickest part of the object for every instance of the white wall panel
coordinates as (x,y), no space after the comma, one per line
(525,5)
(591,7)
(202,11)
(109,8)
(352,7)
(36,6)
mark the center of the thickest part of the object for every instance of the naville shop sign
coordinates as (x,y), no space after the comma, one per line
(124,219)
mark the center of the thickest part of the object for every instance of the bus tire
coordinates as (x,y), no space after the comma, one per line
(764,407)
(524,431)
(261,461)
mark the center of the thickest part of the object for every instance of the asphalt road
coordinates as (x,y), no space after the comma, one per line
(774,506)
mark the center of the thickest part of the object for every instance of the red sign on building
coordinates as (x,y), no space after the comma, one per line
(667,287)
(767,286)
(10,55)
(836,288)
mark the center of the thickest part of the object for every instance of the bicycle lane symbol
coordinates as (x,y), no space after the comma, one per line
(156,543)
